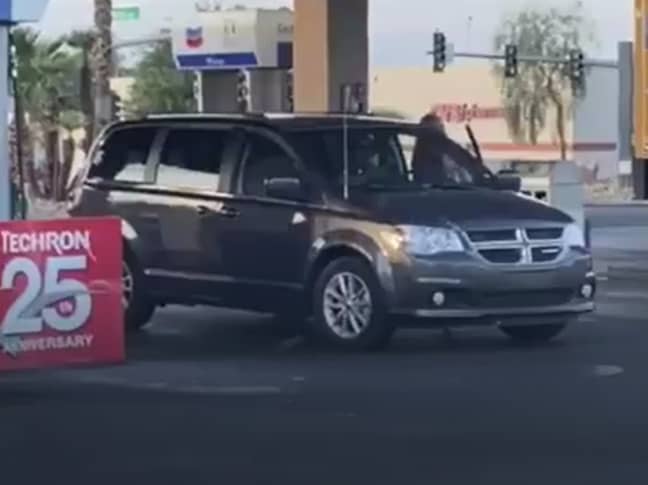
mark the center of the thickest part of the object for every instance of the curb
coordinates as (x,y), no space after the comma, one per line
(620,205)
(625,273)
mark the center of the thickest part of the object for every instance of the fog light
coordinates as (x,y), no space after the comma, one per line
(587,291)
(438,298)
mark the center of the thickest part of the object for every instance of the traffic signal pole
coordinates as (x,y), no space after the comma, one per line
(536,59)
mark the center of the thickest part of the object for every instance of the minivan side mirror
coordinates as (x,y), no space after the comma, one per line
(508,180)
(286,188)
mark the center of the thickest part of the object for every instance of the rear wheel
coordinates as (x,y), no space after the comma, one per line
(535,333)
(349,307)
(138,310)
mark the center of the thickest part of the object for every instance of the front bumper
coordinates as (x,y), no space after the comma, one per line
(474,291)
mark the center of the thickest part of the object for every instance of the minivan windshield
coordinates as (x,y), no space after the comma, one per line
(390,158)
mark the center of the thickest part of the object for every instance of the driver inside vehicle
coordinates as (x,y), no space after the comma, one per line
(438,161)
(369,158)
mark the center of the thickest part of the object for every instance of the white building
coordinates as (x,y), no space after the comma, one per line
(471,92)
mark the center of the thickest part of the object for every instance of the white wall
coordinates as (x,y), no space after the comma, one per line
(596,122)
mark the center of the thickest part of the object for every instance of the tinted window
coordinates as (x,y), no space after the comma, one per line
(374,156)
(264,160)
(438,160)
(123,155)
(191,159)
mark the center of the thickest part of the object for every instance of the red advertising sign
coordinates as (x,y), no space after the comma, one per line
(465,113)
(60,293)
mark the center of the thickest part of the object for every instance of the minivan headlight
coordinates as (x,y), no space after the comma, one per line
(573,236)
(427,241)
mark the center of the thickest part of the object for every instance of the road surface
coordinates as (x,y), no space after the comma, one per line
(211,397)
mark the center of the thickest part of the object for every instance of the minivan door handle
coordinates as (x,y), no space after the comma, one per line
(218,209)
(226,211)
(203,210)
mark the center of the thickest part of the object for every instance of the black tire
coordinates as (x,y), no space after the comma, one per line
(535,333)
(140,309)
(378,330)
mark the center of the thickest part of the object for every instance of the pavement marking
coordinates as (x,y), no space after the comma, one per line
(158,385)
(607,370)
(195,389)
(290,344)
(230,390)
(346,414)
(625,295)
(298,379)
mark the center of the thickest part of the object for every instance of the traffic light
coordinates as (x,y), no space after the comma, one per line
(577,70)
(440,49)
(243,92)
(13,59)
(510,60)
(577,65)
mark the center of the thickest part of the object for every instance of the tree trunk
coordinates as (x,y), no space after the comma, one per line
(533,125)
(87,101)
(102,57)
(53,162)
(560,126)
(69,147)
(556,98)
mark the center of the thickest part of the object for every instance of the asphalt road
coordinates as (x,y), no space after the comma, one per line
(214,397)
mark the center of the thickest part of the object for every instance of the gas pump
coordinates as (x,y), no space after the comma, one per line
(353,98)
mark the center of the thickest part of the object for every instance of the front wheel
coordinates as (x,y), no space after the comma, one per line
(535,333)
(138,310)
(349,307)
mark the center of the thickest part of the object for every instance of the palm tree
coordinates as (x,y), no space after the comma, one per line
(102,61)
(45,71)
(527,97)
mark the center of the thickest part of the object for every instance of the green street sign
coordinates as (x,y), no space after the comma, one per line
(126,14)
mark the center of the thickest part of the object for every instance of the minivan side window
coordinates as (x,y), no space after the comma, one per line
(123,155)
(265,159)
(191,159)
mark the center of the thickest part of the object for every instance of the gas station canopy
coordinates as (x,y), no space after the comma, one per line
(236,39)
(16,11)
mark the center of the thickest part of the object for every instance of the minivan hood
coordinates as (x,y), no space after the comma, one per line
(478,207)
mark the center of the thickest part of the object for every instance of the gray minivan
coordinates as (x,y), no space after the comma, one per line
(320,220)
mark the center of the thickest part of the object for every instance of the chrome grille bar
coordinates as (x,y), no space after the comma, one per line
(526,246)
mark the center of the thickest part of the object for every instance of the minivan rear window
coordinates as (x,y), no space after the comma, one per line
(123,156)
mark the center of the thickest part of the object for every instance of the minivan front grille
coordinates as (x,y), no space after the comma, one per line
(491,236)
(518,245)
(544,234)
(501,256)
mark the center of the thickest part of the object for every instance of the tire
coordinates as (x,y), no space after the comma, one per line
(138,309)
(535,333)
(350,332)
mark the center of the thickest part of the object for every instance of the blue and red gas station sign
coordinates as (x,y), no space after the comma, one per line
(16,11)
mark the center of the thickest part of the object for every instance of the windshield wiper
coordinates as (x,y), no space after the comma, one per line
(450,186)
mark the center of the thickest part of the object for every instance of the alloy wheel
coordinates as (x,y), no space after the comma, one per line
(347,305)
(127,286)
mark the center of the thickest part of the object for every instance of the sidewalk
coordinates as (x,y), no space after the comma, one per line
(619,203)
(621,264)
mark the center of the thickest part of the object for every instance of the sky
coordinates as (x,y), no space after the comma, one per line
(400,30)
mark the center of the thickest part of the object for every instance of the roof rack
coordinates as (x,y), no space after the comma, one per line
(156,116)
